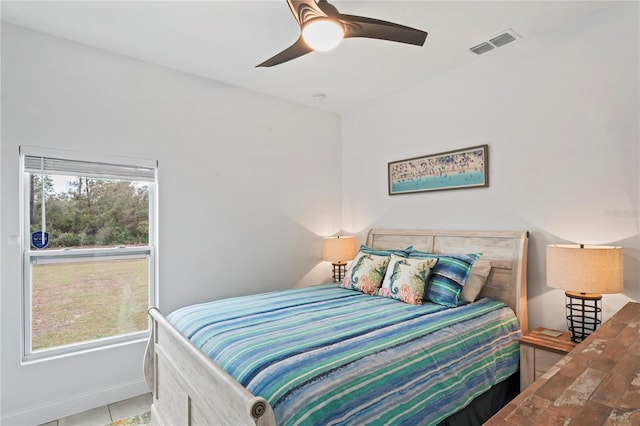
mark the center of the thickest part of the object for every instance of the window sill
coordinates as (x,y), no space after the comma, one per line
(85,348)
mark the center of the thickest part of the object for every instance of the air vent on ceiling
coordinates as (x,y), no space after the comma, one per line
(482,48)
(501,39)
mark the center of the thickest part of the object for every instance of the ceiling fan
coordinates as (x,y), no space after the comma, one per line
(322,27)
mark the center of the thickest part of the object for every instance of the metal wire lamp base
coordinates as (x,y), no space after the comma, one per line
(584,314)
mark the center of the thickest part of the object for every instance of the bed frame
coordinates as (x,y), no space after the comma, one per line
(190,389)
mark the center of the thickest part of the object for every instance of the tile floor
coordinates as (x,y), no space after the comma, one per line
(109,413)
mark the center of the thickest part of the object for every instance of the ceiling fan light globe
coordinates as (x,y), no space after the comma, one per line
(322,34)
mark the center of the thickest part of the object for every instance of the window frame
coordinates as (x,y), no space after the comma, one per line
(31,255)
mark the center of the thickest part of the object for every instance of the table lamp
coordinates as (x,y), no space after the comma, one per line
(585,272)
(337,250)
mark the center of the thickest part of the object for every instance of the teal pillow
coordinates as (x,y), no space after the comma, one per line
(405,279)
(398,252)
(447,277)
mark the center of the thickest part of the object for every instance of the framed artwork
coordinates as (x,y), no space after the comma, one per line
(459,169)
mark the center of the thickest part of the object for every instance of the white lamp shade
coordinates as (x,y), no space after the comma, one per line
(322,34)
(585,268)
(338,249)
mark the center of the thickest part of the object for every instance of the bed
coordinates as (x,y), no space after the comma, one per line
(190,388)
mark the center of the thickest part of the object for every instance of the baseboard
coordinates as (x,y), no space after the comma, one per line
(48,412)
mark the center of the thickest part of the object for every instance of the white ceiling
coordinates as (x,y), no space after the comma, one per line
(224,40)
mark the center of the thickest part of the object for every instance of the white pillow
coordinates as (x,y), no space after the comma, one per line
(480,271)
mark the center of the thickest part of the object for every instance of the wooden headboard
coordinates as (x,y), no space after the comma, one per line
(506,250)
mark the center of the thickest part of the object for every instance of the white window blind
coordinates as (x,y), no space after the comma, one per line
(48,165)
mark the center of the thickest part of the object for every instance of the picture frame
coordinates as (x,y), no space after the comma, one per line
(459,169)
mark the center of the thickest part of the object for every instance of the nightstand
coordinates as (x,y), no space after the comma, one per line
(539,351)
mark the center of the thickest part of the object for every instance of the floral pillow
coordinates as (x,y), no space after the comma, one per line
(365,273)
(405,279)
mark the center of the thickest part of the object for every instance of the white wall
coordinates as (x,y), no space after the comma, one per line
(247,184)
(561,116)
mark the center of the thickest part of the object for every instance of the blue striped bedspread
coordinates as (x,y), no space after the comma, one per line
(325,355)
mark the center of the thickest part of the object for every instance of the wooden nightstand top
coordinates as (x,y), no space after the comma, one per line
(562,343)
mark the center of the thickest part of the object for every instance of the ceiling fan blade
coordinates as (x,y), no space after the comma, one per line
(303,10)
(359,26)
(297,49)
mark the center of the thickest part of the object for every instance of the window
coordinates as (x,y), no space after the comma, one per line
(88,251)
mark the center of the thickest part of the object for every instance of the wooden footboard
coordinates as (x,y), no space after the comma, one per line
(190,389)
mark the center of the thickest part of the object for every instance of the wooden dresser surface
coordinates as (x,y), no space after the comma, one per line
(597,383)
